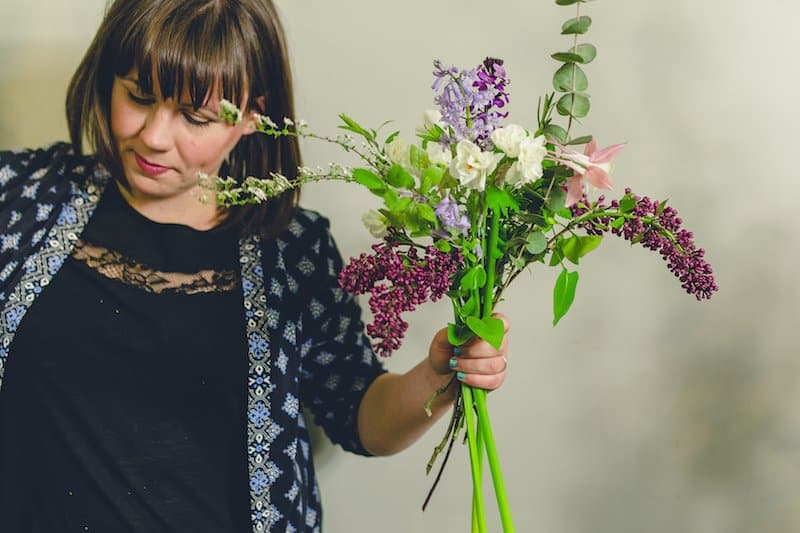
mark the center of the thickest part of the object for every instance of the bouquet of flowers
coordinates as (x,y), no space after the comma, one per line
(473,203)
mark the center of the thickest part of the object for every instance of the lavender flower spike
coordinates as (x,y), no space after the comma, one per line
(452,216)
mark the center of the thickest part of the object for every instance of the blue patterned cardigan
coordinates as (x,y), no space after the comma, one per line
(305,335)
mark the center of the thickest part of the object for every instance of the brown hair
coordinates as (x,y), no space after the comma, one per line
(194,44)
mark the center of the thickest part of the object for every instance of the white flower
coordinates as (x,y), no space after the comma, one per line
(265,122)
(528,167)
(471,166)
(288,121)
(430,118)
(376,223)
(439,154)
(509,138)
(229,112)
(397,152)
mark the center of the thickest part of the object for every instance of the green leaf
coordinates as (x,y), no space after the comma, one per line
(370,180)
(554,132)
(586,51)
(567,57)
(471,306)
(500,201)
(419,158)
(580,140)
(571,248)
(589,243)
(567,2)
(490,329)
(536,243)
(390,198)
(426,212)
(557,256)
(443,246)
(570,78)
(391,137)
(627,204)
(400,177)
(661,207)
(475,278)
(563,294)
(618,222)
(430,178)
(576,25)
(458,335)
(578,109)
(557,199)
(577,246)
(355,127)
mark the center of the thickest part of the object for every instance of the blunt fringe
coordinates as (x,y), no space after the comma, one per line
(192,45)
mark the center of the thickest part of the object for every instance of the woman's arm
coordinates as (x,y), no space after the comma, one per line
(392,415)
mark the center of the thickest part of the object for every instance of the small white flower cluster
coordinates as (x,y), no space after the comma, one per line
(346,141)
(267,125)
(376,223)
(230,112)
(263,122)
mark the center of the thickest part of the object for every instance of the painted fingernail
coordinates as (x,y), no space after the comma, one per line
(460,376)
(456,350)
(453,362)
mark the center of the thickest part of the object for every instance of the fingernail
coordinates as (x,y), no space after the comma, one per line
(453,362)
(456,350)
(460,376)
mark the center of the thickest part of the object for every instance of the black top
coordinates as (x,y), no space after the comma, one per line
(128,414)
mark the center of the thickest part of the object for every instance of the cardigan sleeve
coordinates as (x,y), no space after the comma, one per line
(33,185)
(338,363)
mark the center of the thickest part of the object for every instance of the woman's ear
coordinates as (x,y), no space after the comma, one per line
(250,120)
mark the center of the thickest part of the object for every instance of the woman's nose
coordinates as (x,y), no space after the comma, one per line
(157,132)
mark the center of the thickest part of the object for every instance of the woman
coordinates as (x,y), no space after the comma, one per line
(155,350)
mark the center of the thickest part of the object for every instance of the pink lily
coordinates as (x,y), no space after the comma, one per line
(592,166)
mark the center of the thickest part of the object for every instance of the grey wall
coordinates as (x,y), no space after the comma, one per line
(643,411)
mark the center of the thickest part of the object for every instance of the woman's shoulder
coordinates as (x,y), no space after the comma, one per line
(32,165)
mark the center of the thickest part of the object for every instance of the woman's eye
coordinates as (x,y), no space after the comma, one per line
(140,100)
(195,120)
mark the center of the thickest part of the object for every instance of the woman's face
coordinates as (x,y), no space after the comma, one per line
(164,144)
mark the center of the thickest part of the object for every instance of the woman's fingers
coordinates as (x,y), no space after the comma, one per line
(479,364)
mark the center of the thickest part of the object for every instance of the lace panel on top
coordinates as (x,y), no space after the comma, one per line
(117,266)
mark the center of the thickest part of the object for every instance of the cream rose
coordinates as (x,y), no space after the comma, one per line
(508,139)
(471,166)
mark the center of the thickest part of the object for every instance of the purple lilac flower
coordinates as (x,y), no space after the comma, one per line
(452,216)
(481,92)
(684,259)
(398,281)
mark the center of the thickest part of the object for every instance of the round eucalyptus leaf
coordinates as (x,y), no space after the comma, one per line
(576,25)
(567,57)
(580,140)
(572,104)
(570,78)
(556,133)
(587,52)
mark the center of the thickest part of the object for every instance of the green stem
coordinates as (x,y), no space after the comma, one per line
(485,426)
(494,462)
(477,494)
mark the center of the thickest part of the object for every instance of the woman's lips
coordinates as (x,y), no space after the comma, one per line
(151,169)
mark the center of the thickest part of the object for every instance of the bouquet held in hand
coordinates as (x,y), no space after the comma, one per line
(473,202)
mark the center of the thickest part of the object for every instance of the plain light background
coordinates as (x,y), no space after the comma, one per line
(643,411)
